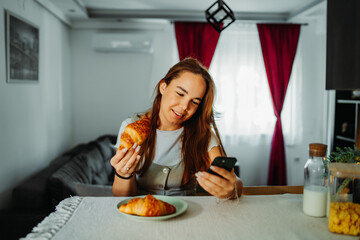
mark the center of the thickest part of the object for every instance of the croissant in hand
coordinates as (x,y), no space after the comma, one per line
(135,132)
(147,207)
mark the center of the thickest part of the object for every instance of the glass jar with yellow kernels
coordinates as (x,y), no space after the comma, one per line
(344,196)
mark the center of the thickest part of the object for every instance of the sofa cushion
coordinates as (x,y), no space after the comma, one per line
(106,147)
(32,193)
(82,189)
(87,168)
(95,161)
(61,183)
(84,169)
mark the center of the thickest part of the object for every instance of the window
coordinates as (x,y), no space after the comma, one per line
(243,98)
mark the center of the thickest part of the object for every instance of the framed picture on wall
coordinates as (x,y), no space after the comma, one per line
(22,49)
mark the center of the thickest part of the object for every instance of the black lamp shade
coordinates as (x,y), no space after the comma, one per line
(219,15)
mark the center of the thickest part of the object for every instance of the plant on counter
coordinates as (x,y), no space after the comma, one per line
(344,155)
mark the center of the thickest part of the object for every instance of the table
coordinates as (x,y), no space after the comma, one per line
(251,217)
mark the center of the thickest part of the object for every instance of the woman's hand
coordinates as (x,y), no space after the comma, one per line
(126,160)
(215,185)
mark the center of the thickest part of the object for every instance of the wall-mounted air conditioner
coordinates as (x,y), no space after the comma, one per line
(122,42)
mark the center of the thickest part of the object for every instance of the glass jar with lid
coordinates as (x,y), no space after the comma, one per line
(344,194)
(315,184)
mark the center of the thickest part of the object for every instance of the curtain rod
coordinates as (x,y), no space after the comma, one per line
(302,24)
(260,22)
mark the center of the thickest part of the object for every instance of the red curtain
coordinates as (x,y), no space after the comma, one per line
(197,40)
(278,44)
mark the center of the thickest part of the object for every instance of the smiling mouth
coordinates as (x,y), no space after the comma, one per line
(178,115)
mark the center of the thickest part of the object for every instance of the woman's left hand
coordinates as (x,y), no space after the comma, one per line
(215,185)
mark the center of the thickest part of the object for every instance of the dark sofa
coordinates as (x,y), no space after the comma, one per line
(84,170)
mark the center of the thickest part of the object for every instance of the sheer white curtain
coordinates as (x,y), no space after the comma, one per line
(246,118)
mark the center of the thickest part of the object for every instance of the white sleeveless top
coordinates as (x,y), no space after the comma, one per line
(165,173)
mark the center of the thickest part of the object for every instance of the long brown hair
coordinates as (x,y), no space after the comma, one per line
(197,130)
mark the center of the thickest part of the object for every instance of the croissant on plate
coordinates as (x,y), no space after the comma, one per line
(135,132)
(147,207)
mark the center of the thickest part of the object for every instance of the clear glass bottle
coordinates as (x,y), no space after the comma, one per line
(344,192)
(315,189)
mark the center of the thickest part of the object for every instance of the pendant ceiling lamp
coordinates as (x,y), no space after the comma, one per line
(219,15)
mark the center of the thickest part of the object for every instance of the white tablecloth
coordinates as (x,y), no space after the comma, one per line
(252,217)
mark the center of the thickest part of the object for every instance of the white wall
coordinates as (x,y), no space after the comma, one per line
(108,87)
(35,120)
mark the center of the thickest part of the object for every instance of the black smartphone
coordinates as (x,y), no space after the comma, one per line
(227,163)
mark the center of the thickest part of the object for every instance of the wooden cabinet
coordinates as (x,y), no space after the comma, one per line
(347,120)
(343,45)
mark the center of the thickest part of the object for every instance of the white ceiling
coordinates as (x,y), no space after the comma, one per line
(235,5)
(278,10)
(192,10)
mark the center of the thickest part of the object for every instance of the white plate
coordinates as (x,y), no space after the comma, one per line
(179,204)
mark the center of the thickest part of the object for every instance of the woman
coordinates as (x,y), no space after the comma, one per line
(181,144)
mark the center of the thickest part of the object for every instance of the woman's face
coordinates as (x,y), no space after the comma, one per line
(180,99)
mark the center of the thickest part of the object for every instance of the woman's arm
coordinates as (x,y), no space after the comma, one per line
(122,187)
(225,187)
(124,163)
(217,186)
